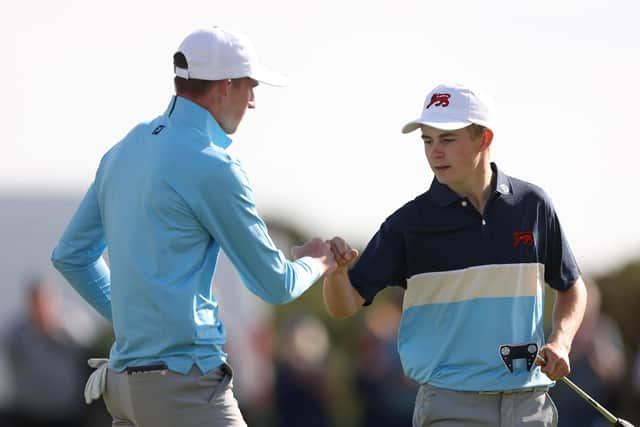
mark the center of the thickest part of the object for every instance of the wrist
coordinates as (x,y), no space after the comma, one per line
(559,341)
(337,274)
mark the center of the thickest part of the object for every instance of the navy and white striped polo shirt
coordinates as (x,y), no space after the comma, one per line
(472,282)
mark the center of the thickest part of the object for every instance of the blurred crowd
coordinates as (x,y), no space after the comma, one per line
(46,364)
(295,367)
(598,366)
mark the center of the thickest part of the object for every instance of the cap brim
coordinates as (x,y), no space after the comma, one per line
(415,124)
(269,77)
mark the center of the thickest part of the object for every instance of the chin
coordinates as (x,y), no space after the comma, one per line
(439,176)
(444,179)
(229,130)
(441,180)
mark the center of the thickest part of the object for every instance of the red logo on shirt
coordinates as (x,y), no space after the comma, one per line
(522,237)
(439,100)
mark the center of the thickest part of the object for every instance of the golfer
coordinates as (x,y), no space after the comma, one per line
(474,254)
(165,200)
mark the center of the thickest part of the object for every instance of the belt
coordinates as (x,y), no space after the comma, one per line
(146,368)
(517,390)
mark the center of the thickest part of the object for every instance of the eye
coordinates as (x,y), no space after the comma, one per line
(427,141)
(447,140)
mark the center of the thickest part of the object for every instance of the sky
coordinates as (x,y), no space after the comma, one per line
(326,152)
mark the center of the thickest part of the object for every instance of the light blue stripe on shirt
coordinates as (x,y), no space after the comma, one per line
(166,199)
(454,322)
(456,346)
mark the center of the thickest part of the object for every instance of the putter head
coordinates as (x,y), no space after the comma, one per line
(510,352)
(624,423)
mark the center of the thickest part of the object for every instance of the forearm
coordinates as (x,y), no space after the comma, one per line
(78,255)
(92,282)
(229,214)
(295,279)
(268,274)
(340,298)
(568,312)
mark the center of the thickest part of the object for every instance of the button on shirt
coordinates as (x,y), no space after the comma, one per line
(165,200)
(474,281)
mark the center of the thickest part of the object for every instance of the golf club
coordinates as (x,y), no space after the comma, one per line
(608,415)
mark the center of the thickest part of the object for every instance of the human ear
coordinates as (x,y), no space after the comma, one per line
(487,137)
(221,87)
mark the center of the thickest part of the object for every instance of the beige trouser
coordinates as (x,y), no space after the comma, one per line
(163,398)
(448,408)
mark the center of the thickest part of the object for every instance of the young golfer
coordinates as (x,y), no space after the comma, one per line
(165,200)
(474,254)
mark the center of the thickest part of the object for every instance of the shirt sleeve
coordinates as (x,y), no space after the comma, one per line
(381,264)
(78,255)
(561,269)
(227,210)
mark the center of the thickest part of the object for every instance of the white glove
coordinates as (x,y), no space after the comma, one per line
(97,381)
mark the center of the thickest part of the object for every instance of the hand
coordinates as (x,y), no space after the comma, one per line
(344,254)
(319,250)
(554,360)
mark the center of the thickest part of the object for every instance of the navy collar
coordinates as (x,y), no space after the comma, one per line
(194,115)
(503,183)
(444,196)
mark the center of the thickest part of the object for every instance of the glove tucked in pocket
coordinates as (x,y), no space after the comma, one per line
(97,380)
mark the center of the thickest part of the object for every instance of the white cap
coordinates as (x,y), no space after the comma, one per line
(451,107)
(218,54)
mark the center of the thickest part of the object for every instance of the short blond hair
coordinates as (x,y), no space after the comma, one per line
(476,130)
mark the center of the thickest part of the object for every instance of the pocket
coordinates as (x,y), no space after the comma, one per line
(106,395)
(113,394)
(554,410)
(423,405)
(220,379)
(537,408)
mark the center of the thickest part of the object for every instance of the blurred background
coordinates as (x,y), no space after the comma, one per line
(325,157)
(294,366)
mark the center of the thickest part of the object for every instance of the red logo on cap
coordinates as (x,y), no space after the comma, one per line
(439,100)
(522,237)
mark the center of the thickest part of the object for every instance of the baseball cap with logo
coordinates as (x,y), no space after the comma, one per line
(218,54)
(451,107)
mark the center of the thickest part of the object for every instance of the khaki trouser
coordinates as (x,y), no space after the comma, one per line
(162,398)
(448,408)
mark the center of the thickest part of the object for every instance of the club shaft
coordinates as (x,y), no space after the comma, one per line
(608,415)
(583,394)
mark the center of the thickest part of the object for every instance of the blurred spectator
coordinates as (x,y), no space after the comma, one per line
(301,386)
(597,366)
(46,365)
(634,397)
(387,395)
(248,322)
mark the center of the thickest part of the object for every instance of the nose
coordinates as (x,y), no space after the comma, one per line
(435,150)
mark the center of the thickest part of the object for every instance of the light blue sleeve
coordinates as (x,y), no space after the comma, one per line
(227,209)
(78,255)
